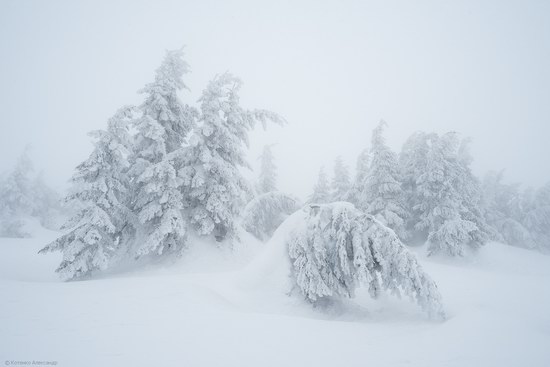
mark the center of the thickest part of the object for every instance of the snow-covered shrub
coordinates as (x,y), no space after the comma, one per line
(265,213)
(340,248)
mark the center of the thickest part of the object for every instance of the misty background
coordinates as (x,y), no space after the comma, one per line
(333,69)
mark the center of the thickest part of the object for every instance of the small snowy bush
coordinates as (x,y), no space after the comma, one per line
(340,248)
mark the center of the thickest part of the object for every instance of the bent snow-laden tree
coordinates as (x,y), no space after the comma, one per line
(263,214)
(99,190)
(339,248)
(214,188)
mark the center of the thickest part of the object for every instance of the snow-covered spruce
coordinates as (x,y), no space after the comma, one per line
(100,187)
(413,160)
(213,186)
(263,214)
(521,217)
(267,180)
(340,184)
(383,196)
(338,248)
(446,195)
(537,218)
(16,198)
(23,196)
(162,104)
(321,190)
(161,132)
(47,206)
(505,210)
(358,185)
(163,227)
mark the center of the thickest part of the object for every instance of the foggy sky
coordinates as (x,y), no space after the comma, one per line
(332,69)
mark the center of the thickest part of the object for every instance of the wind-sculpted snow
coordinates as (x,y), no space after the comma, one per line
(265,213)
(338,248)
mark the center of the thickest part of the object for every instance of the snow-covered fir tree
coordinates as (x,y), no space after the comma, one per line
(382,195)
(214,187)
(321,190)
(413,160)
(268,172)
(521,217)
(100,190)
(340,184)
(358,185)
(16,198)
(164,107)
(443,206)
(505,211)
(47,204)
(23,197)
(537,218)
(337,248)
(471,192)
(159,204)
(263,214)
(162,129)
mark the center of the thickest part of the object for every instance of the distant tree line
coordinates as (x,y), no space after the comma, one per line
(428,193)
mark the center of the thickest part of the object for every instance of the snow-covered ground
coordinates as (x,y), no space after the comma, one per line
(212,309)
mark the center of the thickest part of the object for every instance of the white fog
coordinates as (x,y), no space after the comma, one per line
(274,183)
